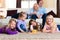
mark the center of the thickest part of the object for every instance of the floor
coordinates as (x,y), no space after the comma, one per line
(31,36)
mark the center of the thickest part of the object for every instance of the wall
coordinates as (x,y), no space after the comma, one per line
(11,4)
(51,5)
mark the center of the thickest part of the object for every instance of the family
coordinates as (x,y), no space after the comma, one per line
(14,26)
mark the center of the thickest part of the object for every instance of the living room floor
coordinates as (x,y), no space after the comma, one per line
(31,36)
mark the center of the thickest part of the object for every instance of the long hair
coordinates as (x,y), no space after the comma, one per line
(53,22)
(31,24)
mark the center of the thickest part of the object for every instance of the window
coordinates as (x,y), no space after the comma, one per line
(26,3)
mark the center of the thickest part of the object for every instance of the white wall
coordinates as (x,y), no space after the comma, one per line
(10,3)
(50,5)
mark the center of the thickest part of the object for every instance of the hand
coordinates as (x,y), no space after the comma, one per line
(34,12)
(41,14)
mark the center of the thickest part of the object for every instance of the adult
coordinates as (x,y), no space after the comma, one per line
(33,12)
(42,10)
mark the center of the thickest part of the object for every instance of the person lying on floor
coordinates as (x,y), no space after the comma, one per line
(21,24)
(33,25)
(50,25)
(10,28)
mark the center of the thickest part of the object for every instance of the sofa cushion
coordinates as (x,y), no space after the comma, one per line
(58,27)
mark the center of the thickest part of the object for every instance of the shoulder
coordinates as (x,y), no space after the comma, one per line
(18,20)
(43,8)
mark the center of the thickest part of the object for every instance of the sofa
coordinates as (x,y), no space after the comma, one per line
(5,21)
(30,36)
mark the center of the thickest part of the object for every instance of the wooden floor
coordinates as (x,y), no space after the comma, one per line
(31,36)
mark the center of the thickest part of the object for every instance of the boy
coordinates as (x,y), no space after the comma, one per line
(21,25)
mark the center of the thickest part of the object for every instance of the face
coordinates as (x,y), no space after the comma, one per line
(49,20)
(40,3)
(36,7)
(24,16)
(13,24)
(33,23)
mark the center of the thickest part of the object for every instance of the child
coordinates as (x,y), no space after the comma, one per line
(21,24)
(10,28)
(33,25)
(50,25)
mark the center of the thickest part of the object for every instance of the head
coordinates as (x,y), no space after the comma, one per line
(40,3)
(12,23)
(32,22)
(49,19)
(22,15)
(36,6)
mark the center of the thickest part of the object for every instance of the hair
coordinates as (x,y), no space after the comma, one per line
(53,22)
(10,21)
(21,14)
(32,20)
(36,5)
(2,17)
(39,1)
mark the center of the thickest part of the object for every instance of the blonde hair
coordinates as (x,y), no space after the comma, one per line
(12,19)
(35,5)
(53,22)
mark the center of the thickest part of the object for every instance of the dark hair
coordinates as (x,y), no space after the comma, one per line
(21,14)
(32,21)
(39,1)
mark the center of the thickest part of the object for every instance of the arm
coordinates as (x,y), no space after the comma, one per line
(18,26)
(44,30)
(39,15)
(44,11)
(31,27)
(54,28)
(9,31)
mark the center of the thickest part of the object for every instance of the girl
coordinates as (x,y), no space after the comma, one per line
(50,25)
(33,25)
(10,28)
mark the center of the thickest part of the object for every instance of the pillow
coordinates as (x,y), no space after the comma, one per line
(58,27)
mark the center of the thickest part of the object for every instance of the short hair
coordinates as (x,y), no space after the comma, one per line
(39,1)
(21,14)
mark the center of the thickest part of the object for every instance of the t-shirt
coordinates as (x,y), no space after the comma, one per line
(21,25)
(8,30)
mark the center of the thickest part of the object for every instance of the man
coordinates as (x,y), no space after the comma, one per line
(42,10)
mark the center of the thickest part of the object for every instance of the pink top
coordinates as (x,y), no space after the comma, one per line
(49,28)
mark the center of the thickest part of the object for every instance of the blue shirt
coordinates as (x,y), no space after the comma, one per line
(41,10)
(21,25)
(31,11)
